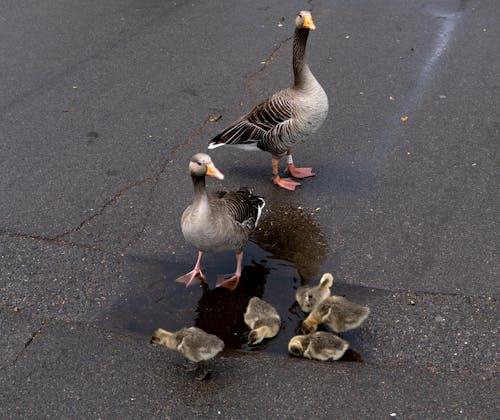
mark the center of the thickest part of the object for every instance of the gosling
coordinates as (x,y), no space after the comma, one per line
(262,319)
(308,296)
(193,343)
(338,313)
(323,346)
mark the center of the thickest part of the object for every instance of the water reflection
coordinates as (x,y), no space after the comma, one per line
(291,234)
(287,251)
(220,311)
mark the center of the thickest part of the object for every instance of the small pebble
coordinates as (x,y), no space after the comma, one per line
(214,117)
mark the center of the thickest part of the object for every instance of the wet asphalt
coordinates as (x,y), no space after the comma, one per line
(103,103)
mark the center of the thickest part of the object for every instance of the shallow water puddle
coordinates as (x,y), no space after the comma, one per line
(276,263)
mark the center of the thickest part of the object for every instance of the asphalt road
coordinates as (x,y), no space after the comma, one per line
(101,106)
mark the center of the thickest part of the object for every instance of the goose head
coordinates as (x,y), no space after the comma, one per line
(201,165)
(304,20)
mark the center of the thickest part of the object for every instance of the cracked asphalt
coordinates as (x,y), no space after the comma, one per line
(101,106)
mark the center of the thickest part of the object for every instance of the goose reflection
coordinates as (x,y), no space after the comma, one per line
(220,311)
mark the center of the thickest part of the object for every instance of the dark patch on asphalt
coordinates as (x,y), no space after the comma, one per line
(287,251)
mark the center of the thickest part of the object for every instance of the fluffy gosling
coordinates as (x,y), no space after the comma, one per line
(193,343)
(338,313)
(320,345)
(309,296)
(262,319)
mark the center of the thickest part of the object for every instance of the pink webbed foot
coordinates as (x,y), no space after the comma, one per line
(229,283)
(285,183)
(188,278)
(299,172)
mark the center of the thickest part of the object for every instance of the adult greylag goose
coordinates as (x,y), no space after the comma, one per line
(263,320)
(320,345)
(285,118)
(217,221)
(308,297)
(339,313)
(193,343)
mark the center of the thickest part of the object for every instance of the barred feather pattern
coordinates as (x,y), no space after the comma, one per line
(285,118)
(242,206)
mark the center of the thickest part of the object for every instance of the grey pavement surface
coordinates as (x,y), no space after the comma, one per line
(101,106)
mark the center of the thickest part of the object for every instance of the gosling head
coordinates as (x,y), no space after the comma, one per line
(304,20)
(161,336)
(201,165)
(257,335)
(308,327)
(295,346)
(326,281)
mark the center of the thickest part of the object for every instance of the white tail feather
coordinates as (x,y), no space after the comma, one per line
(259,211)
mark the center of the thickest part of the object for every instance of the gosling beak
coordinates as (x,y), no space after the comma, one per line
(308,23)
(214,172)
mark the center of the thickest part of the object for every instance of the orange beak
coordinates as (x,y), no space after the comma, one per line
(213,171)
(308,23)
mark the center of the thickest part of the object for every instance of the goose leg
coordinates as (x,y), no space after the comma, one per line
(204,372)
(195,272)
(297,172)
(286,183)
(231,282)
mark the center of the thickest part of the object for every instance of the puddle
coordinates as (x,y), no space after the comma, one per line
(276,262)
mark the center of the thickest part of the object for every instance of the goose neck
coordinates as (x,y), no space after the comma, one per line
(300,67)
(200,193)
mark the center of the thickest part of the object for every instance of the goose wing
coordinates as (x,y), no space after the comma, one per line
(242,206)
(272,117)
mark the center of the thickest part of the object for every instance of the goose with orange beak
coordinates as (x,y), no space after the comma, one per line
(217,221)
(286,118)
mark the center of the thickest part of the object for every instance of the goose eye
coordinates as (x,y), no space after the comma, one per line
(199,163)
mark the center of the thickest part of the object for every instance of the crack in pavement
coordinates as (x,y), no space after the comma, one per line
(50,239)
(252,76)
(154,178)
(29,342)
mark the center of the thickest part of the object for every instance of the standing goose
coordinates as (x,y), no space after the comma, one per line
(286,117)
(218,221)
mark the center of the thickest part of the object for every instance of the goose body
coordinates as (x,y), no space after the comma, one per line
(338,313)
(217,221)
(262,319)
(308,296)
(285,118)
(320,345)
(193,343)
